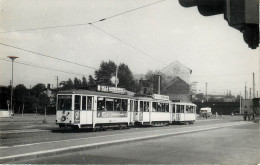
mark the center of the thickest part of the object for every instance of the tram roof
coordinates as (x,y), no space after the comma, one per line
(107,94)
(98,93)
(184,103)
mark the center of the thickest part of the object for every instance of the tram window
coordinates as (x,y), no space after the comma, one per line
(100,104)
(182,108)
(64,102)
(84,102)
(141,106)
(147,107)
(109,104)
(167,107)
(136,106)
(163,107)
(154,106)
(77,102)
(117,105)
(178,109)
(189,109)
(89,103)
(173,108)
(159,108)
(131,105)
(124,105)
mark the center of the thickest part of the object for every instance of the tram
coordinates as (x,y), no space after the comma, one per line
(112,107)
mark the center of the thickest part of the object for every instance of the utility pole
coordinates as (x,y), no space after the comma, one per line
(12,58)
(240,104)
(253,85)
(116,71)
(57,81)
(245,90)
(206,91)
(159,85)
(250,93)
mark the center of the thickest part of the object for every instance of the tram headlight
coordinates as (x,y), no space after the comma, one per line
(63,118)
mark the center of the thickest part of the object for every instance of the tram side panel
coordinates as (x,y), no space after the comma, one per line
(112,111)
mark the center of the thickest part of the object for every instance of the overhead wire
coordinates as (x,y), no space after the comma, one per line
(82,24)
(37,66)
(41,54)
(126,43)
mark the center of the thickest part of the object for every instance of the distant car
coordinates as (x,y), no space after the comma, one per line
(205,112)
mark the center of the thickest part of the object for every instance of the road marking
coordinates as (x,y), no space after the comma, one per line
(115,141)
(22,131)
(68,140)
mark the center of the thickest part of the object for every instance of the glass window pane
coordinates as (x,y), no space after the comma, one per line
(182,108)
(141,106)
(89,105)
(101,104)
(124,105)
(154,107)
(77,102)
(84,102)
(159,108)
(117,105)
(178,109)
(167,108)
(109,104)
(173,108)
(136,106)
(64,102)
(131,105)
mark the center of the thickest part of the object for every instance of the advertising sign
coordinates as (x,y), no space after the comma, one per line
(160,97)
(111,89)
(76,116)
(109,114)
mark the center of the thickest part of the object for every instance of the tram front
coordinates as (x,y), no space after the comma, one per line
(64,110)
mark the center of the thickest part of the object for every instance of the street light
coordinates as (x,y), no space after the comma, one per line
(12,58)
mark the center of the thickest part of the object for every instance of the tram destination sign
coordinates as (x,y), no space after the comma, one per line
(103,88)
(160,97)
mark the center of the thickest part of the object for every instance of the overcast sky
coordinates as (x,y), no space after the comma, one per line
(151,38)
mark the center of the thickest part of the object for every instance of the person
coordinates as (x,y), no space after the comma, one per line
(245,115)
(216,114)
(118,108)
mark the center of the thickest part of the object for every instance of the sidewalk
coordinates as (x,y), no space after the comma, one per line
(26,123)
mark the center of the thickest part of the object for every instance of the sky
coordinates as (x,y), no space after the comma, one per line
(149,38)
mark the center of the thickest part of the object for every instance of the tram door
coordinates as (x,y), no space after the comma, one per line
(173,112)
(136,116)
(131,111)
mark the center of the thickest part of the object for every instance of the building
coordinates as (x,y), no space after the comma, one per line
(175,82)
(176,69)
(247,106)
(178,90)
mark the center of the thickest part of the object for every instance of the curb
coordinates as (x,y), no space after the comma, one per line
(78,148)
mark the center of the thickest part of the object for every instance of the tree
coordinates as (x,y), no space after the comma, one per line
(125,76)
(20,93)
(44,101)
(84,84)
(92,83)
(105,73)
(152,78)
(67,85)
(38,89)
(77,83)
